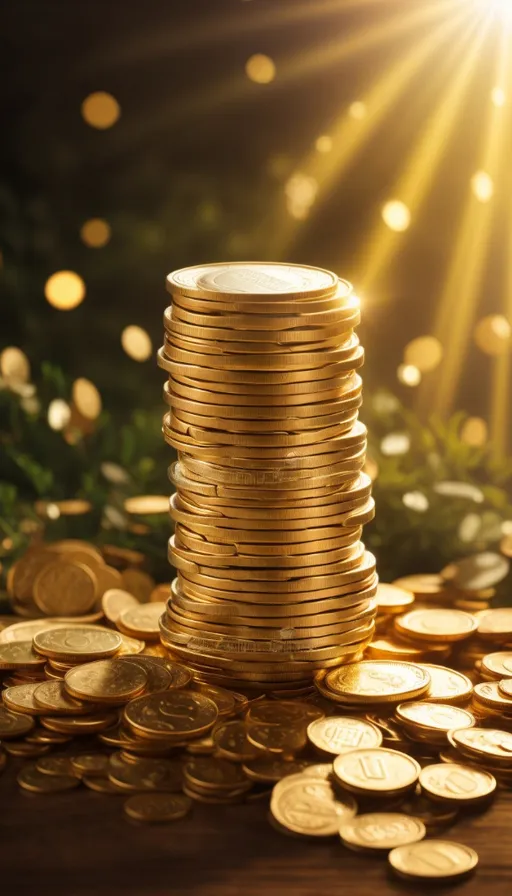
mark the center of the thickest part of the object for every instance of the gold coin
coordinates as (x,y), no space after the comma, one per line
(223,699)
(90,764)
(210,773)
(55,765)
(30,778)
(389,649)
(377,681)
(65,588)
(180,675)
(495,625)
(121,557)
(378,831)
(436,624)
(79,642)
(138,582)
(142,620)
(488,693)
(102,785)
(249,281)
(158,677)
(25,572)
(20,698)
(283,712)
(160,593)
(147,505)
(270,769)
(392,599)
(341,734)
(423,585)
(23,750)
(106,681)
(480,571)
(484,743)
(437,717)
(20,655)
(174,713)
(447,685)
(276,739)
(145,774)
(456,783)
(505,688)
(53,698)
(307,805)
(157,807)
(230,741)
(433,860)
(89,724)
(496,665)
(14,725)
(107,577)
(378,771)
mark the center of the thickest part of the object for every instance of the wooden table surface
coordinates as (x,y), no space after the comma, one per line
(80,844)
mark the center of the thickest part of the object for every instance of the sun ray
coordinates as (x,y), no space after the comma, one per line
(458,300)
(348,138)
(500,380)
(414,183)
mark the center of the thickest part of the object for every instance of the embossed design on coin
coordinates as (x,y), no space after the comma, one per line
(479,742)
(65,588)
(381,831)
(53,697)
(377,680)
(454,782)
(13,725)
(447,685)
(377,771)
(106,681)
(433,859)
(308,806)
(441,717)
(174,713)
(79,641)
(340,734)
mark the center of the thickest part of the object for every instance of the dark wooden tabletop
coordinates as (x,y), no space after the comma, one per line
(79,843)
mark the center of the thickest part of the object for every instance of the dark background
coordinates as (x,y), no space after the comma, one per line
(195,168)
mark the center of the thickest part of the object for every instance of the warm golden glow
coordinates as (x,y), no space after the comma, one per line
(409,375)
(300,191)
(498,97)
(147,504)
(395,443)
(424,352)
(100,110)
(95,233)
(416,501)
(260,68)
(136,343)
(474,432)
(86,398)
(64,290)
(482,186)
(323,143)
(358,110)
(14,366)
(59,414)
(396,215)
(492,335)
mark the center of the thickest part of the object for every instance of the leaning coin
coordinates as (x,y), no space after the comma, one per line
(381,831)
(308,806)
(433,860)
(340,734)
(157,807)
(13,724)
(484,744)
(52,697)
(20,655)
(30,778)
(451,782)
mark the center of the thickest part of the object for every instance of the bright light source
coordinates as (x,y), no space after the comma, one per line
(482,186)
(396,215)
(260,68)
(323,143)
(357,110)
(409,375)
(498,97)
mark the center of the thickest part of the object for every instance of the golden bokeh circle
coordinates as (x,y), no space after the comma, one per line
(59,414)
(357,110)
(409,375)
(260,68)
(100,110)
(482,186)
(14,365)
(64,290)
(137,343)
(323,143)
(424,352)
(95,233)
(86,398)
(474,432)
(492,335)
(396,215)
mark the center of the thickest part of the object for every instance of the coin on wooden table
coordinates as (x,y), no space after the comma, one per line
(436,624)
(65,588)
(440,860)
(210,773)
(142,621)
(106,681)
(484,744)
(340,734)
(496,665)
(173,714)
(53,697)
(307,805)
(392,599)
(13,724)
(377,771)
(447,685)
(451,782)
(496,624)
(146,774)
(80,643)
(90,764)
(157,807)
(433,717)
(381,831)
(376,681)
(230,741)
(114,601)
(20,655)
(30,778)
(55,765)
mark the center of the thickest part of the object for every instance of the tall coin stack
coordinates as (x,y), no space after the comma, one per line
(273,580)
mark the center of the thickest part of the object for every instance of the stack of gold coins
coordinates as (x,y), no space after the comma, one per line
(273,579)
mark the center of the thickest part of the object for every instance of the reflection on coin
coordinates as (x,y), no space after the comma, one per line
(142,620)
(484,742)
(438,716)
(376,771)
(392,599)
(25,631)
(230,739)
(497,665)
(433,860)
(81,642)
(447,685)
(55,765)
(340,734)
(106,681)
(377,681)
(13,725)
(114,601)
(456,783)
(19,655)
(20,698)
(65,588)
(30,778)
(436,624)
(53,697)
(158,677)
(90,764)
(381,831)
(308,806)
(173,713)
(275,739)
(157,807)
(145,774)
(211,773)
(496,624)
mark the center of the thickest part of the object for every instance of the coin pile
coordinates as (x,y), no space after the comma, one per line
(273,579)
(69,579)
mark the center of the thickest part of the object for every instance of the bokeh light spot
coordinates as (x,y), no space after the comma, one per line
(492,335)
(260,68)
(95,233)
(100,110)
(323,143)
(86,398)
(424,352)
(396,215)
(14,365)
(482,186)
(409,375)
(395,443)
(357,110)
(64,290)
(136,343)
(498,97)
(300,191)
(416,501)
(474,432)
(59,414)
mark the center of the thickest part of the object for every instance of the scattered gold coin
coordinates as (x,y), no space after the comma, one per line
(157,807)
(142,621)
(106,681)
(376,681)
(13,724)
(433,860)
(79,643)
(436,624)
(30,778)
(457,783)
(307,805)
(378,771)
(381,831)
(340,734)
(65,588)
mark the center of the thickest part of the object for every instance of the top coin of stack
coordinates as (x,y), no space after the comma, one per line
(263,390)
